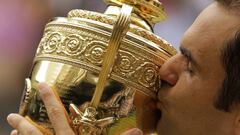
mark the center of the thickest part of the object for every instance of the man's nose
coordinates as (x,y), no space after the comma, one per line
(169,71)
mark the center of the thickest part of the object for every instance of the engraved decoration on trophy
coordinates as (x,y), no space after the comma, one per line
(104,68)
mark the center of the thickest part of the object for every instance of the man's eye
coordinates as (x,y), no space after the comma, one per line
(188,64)
(189,68)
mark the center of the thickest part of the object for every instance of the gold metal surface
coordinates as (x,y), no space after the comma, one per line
(137,62)
(151,11)
(102,20)
(77,52)
(119,30)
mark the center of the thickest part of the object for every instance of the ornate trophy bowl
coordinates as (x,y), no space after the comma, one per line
(103,66)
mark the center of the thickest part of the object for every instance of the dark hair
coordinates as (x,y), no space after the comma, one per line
(230,4)
(229,94)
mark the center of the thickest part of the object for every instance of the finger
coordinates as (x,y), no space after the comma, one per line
(14,132)
(58,99)
(22,125)
(134,131)
(43,130)
(60,102)
(56,111)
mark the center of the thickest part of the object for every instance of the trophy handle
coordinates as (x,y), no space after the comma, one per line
(86,122)
(119,31)
(25,97)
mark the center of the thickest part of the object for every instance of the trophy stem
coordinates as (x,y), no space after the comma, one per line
(119,31)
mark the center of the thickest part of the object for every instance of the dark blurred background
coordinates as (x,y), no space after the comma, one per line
(21,26)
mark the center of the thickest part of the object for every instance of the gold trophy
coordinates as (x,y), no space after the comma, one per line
(103,66)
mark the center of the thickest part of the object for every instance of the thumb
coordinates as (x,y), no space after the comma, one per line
(134,131)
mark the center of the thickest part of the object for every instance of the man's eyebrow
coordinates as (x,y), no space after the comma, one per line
(189,56)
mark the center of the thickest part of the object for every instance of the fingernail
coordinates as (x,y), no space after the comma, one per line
(43,88)
(10,118)
(135,131)
(14,132)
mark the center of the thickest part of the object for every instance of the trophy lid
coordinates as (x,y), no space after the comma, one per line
(151,11)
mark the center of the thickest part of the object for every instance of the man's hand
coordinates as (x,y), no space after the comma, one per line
(56,113)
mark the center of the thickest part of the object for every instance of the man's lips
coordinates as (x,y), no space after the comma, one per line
(160,105)
(162,97)
(160,102)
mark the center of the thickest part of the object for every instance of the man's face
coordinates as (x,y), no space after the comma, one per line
(194,78)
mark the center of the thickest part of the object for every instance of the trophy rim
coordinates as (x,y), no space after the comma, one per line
(78,14)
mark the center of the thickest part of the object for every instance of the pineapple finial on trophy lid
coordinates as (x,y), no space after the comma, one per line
(151,11)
